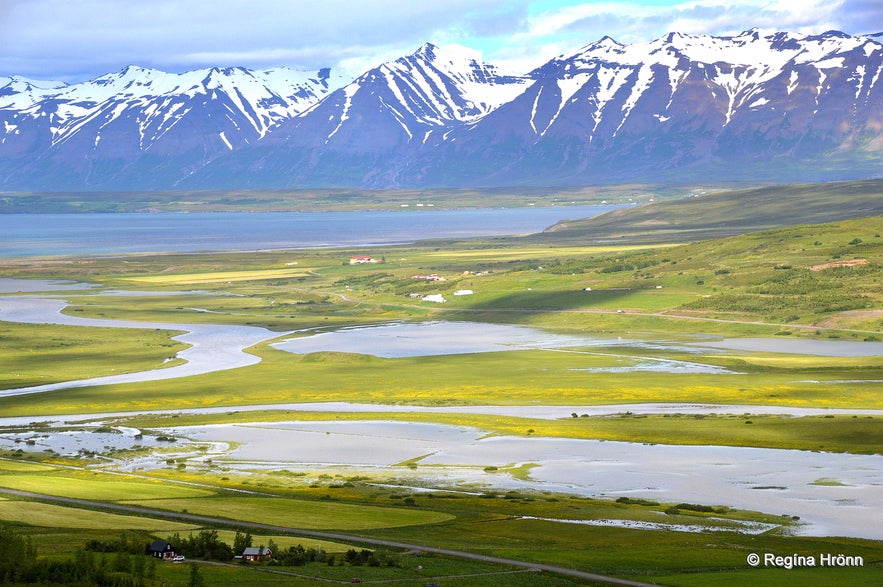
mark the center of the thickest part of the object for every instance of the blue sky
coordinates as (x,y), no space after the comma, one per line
(75,40)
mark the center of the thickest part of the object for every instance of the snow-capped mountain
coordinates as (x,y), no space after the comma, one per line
(363,133)
(774,106)
(143,128)
(17,93)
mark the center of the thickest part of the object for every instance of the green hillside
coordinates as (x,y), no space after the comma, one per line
(727,213)
(820,274)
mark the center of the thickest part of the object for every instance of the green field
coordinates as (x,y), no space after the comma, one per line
(53,516)
(285,541)
(636,304)
(77,352)
(310,515)
(89,487)
(506,525)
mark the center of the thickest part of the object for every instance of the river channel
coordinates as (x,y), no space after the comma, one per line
(833,494)
(217,347)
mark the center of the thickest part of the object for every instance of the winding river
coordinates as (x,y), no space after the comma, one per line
(834,494)
(218,347)
(213,347)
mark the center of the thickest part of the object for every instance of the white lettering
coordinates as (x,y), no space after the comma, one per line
(841,560)
(799,560)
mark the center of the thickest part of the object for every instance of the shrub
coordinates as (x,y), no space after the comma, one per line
(695,507)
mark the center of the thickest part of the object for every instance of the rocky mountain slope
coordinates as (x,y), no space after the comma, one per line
(778,106)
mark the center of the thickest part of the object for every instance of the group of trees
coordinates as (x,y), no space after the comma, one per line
(19,565)
(205,545)
(297,556)
(122,562)
(369,558)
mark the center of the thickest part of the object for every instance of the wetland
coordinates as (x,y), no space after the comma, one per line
(593,393)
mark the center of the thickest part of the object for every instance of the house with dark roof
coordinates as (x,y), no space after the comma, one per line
(161,549)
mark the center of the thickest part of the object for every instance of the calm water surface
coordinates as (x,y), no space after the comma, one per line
(25,235)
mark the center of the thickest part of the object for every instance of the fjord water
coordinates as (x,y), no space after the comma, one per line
(27,235)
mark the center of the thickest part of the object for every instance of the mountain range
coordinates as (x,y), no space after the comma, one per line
(776,106)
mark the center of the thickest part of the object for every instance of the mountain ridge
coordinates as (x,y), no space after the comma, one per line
(777,106)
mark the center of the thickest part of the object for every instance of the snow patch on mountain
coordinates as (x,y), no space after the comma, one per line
(442,113)
(159,99)
(17,93)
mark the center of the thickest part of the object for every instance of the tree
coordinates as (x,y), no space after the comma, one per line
(15,551)
(196,579)
(122,562)
(138,564)
(205,545)
(241,542)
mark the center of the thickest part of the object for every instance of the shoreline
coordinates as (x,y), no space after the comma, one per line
(212,347)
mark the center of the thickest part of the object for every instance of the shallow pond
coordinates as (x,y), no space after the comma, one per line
(419,339)
(833,494)
(422,339)
(74,442)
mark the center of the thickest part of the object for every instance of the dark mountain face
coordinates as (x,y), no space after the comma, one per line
(778,107)
(674,109)
(140,128)
(367,133)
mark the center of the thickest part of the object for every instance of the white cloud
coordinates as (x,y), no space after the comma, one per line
(565,29)
(630,21)
(73,40)
(96,36)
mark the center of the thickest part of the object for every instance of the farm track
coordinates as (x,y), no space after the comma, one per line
(334,536)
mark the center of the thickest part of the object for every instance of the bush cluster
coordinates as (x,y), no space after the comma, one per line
(206,545)
(19,564)
(297,556)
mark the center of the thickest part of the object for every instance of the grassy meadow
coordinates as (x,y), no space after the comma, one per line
(503,524)
(77,352)
(813,282)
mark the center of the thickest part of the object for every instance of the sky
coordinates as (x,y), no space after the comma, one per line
(77,40)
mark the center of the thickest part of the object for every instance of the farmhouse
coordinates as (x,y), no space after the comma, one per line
(256,553)
(360,259)
(161,549)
